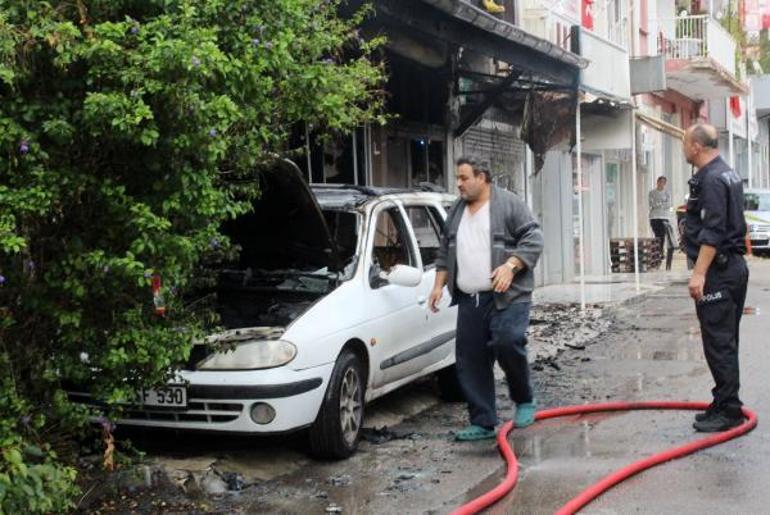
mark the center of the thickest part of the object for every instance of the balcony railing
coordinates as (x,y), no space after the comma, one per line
(610,22)
(693,37)
(548,23)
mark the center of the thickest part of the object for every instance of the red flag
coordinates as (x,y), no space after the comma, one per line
(742,12)
(735,106)
(764,7)
(587,12)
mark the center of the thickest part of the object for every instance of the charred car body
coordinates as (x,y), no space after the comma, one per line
(325,311)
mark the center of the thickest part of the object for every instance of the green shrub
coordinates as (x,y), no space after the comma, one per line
(126,130)
(31,479)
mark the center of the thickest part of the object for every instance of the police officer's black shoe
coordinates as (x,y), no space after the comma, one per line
(717,422)
(700,417)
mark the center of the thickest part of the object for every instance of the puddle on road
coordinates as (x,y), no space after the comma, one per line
(686,352)
(557,462)
(564,438)
(263,465)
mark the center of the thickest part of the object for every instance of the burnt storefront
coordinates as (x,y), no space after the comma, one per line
(458,82)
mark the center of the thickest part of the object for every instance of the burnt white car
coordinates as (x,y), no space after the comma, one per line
(326,310)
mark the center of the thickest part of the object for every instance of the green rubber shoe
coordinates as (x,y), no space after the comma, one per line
(525,414)
(473,433)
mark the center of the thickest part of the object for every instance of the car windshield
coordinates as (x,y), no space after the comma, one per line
(343,227)
(757,201)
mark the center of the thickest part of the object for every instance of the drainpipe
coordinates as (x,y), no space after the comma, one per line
(581,239)
(634,192)
(634,171)
(748,137)
(729,118)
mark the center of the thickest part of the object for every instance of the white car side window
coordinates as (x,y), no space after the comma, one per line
(391,244)
(427,225)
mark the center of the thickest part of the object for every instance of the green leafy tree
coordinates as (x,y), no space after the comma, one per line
(764,50)
(127,130)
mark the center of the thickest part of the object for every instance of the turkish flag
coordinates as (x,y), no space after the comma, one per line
(764,7)
(735,106)
(587,14)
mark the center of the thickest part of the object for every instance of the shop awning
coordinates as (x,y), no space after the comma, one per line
(660,125)
(458,22)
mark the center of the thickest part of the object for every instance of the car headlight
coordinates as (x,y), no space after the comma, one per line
(753,228)
(251,355)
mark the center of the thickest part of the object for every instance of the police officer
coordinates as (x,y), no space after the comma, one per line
(715,240)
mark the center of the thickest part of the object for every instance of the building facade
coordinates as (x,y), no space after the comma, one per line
(576,106)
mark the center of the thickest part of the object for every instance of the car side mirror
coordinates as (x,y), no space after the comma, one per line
(403,275)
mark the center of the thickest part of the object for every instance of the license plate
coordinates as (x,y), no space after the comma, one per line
(171,396)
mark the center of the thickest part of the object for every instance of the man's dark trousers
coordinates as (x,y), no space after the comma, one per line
(658,226)
(719,314)
(486,334)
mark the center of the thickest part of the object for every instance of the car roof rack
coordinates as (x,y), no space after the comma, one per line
(375,191)
(366,190)
(431,187)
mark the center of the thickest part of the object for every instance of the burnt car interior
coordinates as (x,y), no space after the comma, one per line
(290,254)
(390,245)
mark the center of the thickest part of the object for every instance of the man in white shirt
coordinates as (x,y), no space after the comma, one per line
(490,245)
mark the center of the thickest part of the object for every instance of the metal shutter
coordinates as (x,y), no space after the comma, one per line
(504,152)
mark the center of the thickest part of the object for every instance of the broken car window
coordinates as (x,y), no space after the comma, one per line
(427,230)
(391,246)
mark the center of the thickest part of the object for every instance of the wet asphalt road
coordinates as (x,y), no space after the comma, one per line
(655,354)
(651,352)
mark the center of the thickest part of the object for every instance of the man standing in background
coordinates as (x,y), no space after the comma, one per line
(660,207)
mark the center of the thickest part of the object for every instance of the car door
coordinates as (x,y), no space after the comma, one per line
(435,337)
(394,313)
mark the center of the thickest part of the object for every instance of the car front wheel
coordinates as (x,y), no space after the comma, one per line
(337,429)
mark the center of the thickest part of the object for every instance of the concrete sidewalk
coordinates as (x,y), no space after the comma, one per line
(613,288)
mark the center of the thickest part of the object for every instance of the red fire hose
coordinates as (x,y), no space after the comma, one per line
(595,490)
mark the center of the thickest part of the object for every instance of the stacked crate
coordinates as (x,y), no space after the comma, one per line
(622,254)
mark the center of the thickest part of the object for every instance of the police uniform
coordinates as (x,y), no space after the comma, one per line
(715,217)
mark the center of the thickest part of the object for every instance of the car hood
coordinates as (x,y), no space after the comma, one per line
(286,229)
(757,217)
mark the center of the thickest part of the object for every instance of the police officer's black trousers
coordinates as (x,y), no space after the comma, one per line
(486,334)
(719,314)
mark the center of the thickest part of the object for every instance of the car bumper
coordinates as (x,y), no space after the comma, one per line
(221,401)
(760,241)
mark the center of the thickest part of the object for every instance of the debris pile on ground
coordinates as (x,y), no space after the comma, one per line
(340,480)
(556,327)
(379,435)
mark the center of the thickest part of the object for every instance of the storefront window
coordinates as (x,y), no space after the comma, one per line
(427,162)
(334,159)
